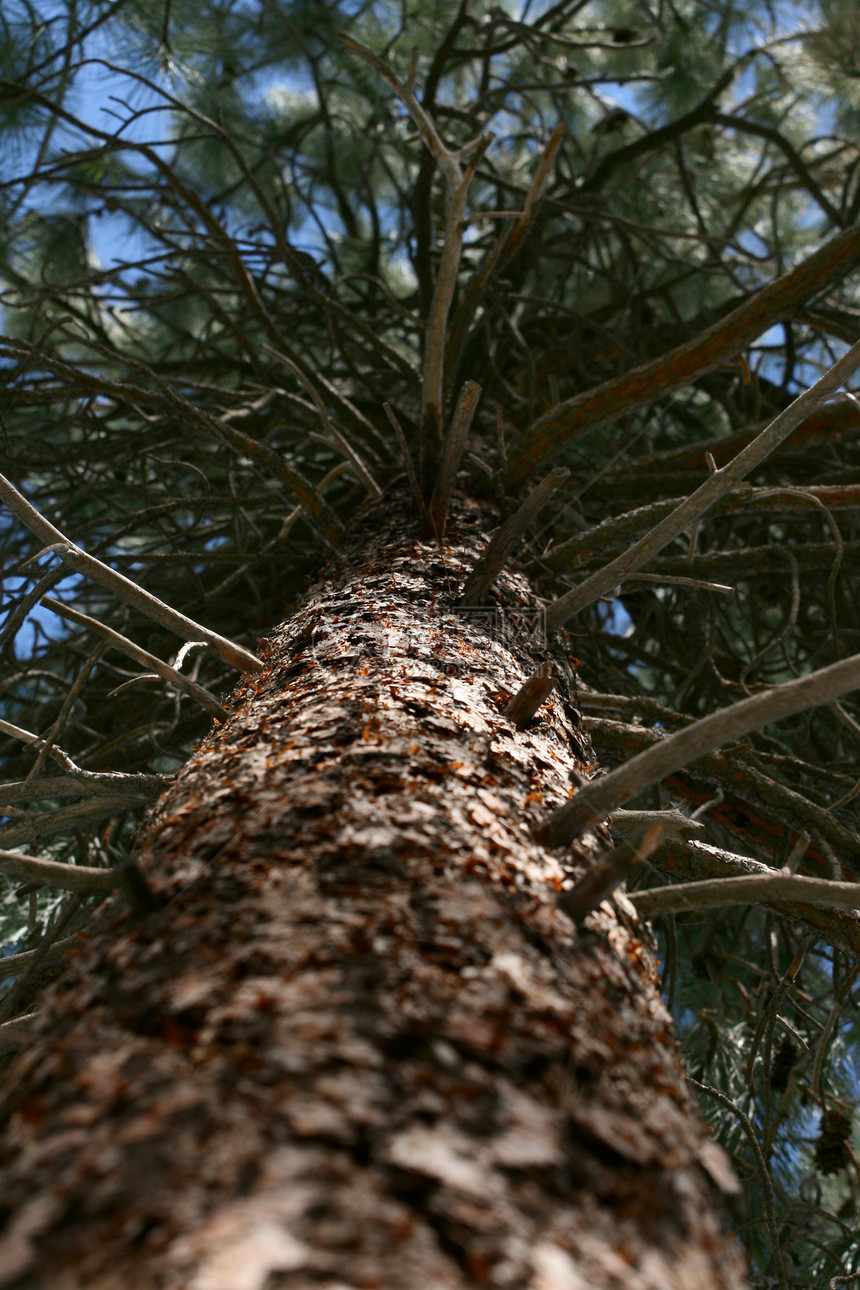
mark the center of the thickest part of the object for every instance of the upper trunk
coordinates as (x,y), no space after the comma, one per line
(361,1046)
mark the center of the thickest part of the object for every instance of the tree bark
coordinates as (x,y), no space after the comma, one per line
(361,1046)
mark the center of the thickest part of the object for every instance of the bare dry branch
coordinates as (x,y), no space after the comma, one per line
(488,567)
(503,249)
(51,873)
(19,1029)
(109,783)
(600,797)
(713,347)
(457,184)
(12,964)
(123,587)
(41,824)
(714,487)
(452,453)
(745,890)
(127,647)
(406,455)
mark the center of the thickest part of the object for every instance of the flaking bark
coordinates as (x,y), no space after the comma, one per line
(362,1045)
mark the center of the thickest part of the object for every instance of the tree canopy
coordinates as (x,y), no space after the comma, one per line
(230,236)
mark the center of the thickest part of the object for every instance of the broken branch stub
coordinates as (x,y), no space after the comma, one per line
(609,872)
(535,691)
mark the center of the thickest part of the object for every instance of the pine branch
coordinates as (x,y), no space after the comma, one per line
(503,250)
(554,431)
(509,534)
(51,873)
(127,647)
(585,548)
(452,453)
(717,485)
(694,861)
(749,889)
(123,587)
(596,800)
(457,181)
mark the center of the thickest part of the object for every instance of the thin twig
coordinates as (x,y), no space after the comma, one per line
(123,587)
(685,746)
(563,424)
(110,783)
(714,487)
(407,456)
(764,1173)
(827,1028)
(457,183)
(504,247)
(61,921)
(127,647)
(488,567)
(351,452)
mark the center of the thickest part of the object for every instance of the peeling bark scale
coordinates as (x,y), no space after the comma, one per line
(361,1047)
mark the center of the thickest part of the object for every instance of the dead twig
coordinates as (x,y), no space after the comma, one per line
(457,180)
(128,591)
(452,453)
(505,246)
(747,889)
(715,486)
(127,647)
(685,746)
(716,345)
(490,564)
(407,457)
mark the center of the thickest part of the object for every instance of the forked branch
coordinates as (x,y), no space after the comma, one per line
(131,650)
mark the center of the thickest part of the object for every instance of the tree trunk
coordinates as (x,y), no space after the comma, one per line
(360,1046)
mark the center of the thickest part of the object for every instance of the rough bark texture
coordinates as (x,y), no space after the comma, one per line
(361,1046)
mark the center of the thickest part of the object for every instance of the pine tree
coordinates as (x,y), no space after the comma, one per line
(470,379)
